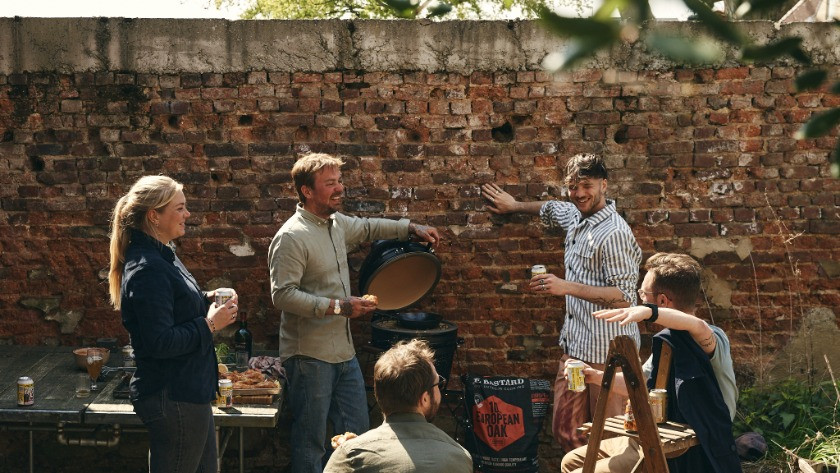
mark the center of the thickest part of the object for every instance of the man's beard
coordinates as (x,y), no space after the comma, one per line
(431,412)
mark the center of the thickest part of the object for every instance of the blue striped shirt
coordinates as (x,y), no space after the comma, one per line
(599,251)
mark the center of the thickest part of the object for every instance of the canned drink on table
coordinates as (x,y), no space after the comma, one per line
(658,399)
(222,296)
(538,269)
(574,376)
(128,356)
(26,391)
(225,398)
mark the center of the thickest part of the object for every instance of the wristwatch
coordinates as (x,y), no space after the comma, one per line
(337,307)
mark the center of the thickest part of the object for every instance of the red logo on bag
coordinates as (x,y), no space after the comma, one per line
(497,423)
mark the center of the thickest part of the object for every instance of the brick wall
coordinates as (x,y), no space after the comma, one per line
(703,161)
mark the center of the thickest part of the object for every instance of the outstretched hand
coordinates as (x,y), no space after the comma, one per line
(500,201)
(625,315)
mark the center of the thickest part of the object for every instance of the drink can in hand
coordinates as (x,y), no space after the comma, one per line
(574,376)
(222,296)
(538,269)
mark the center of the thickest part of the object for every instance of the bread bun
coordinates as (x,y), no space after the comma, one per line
(372,298)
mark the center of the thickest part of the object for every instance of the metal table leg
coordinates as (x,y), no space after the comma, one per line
(219,458)
(31,451)
(241,449)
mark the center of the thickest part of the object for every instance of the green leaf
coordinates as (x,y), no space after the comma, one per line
(819,124)
(714,23)
(603,31)
(684,51)
(771,50)
(801,56)
(439,10)
(636,10)
(787,418)
(402,8)
(756,6)
(576,51)
(810,79)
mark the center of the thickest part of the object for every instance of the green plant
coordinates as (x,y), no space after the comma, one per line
(222,352)
(793,416)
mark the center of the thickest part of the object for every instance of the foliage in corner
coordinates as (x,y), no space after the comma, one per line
(794,418)
(601,31)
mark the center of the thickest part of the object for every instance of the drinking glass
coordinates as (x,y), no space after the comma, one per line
(95,360)
(83,385)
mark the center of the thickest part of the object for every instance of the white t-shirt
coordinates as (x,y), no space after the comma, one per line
(721,361)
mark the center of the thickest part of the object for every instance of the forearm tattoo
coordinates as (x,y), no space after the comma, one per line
(708,342)
(611,303)
(346,307)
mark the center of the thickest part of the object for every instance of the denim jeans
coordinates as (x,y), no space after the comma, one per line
(182,436)
(320,391)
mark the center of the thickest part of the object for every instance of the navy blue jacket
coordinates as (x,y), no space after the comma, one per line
(163,310)
(694,398)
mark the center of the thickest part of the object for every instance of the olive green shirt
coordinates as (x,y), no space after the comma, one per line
(307,261)
(404,443)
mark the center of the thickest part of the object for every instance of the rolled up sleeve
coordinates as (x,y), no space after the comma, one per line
(621,260)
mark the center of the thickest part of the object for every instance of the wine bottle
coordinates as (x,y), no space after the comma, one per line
(242,343)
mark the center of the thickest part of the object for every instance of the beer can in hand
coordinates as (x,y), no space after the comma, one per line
(538,269)
(575,379)
(658,399)
(222,296)
(26,391)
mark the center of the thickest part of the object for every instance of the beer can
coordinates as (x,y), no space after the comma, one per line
(658,399)
(222,296)
(128,356)
(26,391)
(574,376)
(538,269)
(629,418)
(225,398)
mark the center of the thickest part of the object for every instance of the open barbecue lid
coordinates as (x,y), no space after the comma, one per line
(399,273)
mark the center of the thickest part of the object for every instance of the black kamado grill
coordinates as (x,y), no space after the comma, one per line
(400,273)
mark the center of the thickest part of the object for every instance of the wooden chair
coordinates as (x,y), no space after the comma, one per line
(657,441)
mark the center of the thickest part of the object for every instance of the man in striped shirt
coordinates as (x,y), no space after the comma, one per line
(602,269)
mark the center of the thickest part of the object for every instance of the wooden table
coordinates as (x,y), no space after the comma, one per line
(54,371)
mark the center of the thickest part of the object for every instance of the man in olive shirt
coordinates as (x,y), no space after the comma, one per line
(310,283)
(407,388)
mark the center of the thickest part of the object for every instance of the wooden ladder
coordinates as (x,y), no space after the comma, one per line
(657,444)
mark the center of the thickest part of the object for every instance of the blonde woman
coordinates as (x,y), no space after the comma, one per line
(171,323)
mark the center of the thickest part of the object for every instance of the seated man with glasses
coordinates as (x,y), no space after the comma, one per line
(408,390)
(701,367)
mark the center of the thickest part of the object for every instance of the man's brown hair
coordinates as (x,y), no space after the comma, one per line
(305,169)
(581,166)
(401,376)
(678,277)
